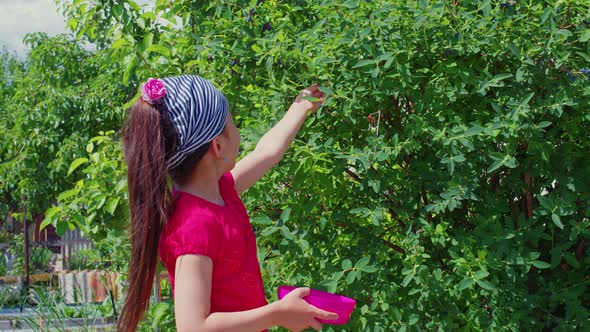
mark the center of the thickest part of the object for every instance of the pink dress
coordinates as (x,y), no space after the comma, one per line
(224,234)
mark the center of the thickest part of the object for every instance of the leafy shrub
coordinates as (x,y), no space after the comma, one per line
(40,259)
(52,312)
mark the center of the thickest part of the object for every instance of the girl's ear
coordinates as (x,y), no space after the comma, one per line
(215,147)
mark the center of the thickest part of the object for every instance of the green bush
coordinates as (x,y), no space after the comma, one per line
(443,184)
(52,313)
(40,259)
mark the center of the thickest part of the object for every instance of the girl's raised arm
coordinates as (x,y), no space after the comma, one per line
(273,145)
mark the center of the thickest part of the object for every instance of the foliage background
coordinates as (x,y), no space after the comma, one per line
(444,183)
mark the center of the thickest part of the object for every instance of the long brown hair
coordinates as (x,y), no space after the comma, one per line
(149,140)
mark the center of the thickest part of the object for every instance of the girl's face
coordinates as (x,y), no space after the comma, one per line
(232,134)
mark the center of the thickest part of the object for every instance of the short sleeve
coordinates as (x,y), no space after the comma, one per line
(227,185)
(198,235)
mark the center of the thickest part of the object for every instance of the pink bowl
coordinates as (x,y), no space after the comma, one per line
(339,304)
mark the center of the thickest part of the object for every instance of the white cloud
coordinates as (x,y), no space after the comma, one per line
(20,17)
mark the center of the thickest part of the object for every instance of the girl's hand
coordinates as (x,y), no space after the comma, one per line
(310,99)
(295,314)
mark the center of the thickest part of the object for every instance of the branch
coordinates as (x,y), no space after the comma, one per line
(580,250)
(352,175)
(393,246)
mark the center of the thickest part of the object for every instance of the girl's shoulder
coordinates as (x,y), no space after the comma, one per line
(190,210)
(191,230)
(227,184)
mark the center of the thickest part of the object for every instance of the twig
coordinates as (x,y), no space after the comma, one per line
(377,133)
(393,246)
(352,175)
(146,63)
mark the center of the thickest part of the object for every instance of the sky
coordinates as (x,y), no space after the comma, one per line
(20,17)
(23,16)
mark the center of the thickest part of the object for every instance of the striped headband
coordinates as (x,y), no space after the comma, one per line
(197,109)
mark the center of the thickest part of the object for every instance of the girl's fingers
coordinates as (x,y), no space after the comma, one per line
(313,88)
(315,325)
(319,313)
(301,292)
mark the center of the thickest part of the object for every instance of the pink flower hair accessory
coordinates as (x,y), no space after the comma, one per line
(153,91)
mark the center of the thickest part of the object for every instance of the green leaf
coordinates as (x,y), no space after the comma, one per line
(465,283)
(510,162)
(451,166)
(564,33)
(466,143)
(481,274)
(397,314)
(121,185)
(414,290)
(350,4)
(437,274)
(49,214)
(100,200)
(62,227)
(525,100)
(261,220)
(520,74)
(407,279)
(310,98)
(67,194)
(158,313)
(346,264)
(76,163)
(160,49)
(287,233)
(473,131)
(269,230)
(495,165)
(326,90)
(501,77)
(556,220)
(369,269)
(544,124)
(129,69)
(364,63)
(286,214)
(584,36)
(73,24)
(362,262)
(132,101)
(541,264)
(571,259)
(545,202)
(350,277)
(485,285)
(121,42)
(413,319)
(112,205)
(546,13)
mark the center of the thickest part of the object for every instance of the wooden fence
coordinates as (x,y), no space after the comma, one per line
(71,243)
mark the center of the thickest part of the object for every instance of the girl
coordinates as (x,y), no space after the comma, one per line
(181,127)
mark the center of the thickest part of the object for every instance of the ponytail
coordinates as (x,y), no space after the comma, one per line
(148,140)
